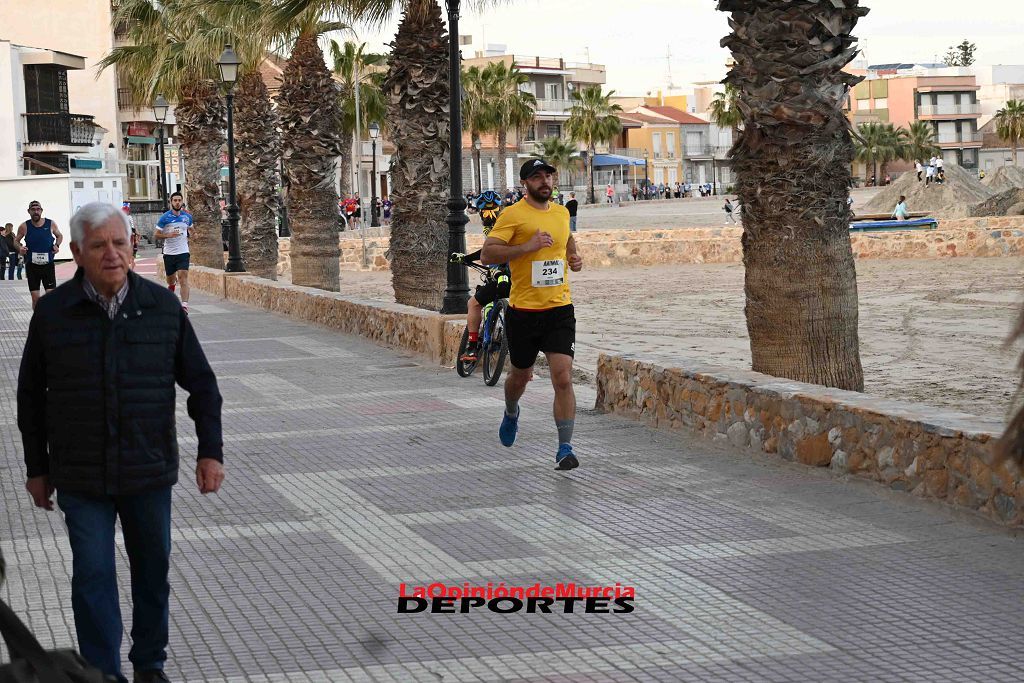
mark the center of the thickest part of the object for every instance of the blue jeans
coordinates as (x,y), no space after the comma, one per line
(146,523)
(572,223)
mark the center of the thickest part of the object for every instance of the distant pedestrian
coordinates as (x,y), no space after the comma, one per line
(387,205)
(929,173)
(728,208)
(14,260)
(97,424)
(636,192)
(572,206)
(919,168)
(940,170)
(900,212)
(42,240)
(5,251)
(609,193)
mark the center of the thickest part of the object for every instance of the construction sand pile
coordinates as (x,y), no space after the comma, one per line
(961,191)
(1009,203)
(1005,178)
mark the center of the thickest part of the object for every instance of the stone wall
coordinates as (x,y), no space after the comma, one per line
(966,237)
(929,452)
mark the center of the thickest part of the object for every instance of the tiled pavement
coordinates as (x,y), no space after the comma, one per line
(352,469)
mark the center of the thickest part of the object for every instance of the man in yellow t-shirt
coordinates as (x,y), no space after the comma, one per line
(533,237)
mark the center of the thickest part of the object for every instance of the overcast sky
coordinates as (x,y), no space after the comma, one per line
(633,37)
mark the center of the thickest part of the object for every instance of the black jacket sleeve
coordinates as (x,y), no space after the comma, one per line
(194,374)
(32,403)
(475,256)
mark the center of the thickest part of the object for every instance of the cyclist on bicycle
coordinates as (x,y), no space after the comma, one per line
(498,284)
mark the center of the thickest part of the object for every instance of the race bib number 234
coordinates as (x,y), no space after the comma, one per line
(548,273)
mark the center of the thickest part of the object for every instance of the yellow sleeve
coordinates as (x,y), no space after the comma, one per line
(505,227)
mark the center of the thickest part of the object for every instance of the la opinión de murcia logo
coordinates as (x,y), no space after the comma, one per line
(565,598)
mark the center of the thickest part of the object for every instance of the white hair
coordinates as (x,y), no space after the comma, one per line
(93,215)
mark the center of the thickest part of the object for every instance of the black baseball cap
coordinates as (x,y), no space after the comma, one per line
(535,166)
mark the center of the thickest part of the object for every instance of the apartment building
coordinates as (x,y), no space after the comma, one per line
(679,146)
(946,98)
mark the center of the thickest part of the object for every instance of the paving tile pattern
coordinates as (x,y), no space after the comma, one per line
(352,469)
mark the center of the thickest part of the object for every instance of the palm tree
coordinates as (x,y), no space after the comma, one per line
(257,144)
(920,141)
(879,143)
(160,60)
(793,167)
(1010,125)
(724,112)
(417,91)
(558,152)
(593,120)
(351,66)
(309,113)
(511,108)
(477,115)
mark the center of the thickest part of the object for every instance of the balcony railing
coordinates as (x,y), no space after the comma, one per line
(125,100)
(949,109)
(959,139)
(554,105)
(60,128)
(634,152)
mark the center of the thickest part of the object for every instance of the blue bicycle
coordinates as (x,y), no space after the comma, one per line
(493,345)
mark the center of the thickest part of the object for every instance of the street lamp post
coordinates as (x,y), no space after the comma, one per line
(374,218)
(229,64)
(457,291)
(160,107)
(647,161)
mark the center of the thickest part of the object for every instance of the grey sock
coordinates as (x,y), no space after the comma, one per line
(512,408)
(564,430)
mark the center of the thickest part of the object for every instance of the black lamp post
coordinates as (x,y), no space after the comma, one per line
(160,107)
(647,161)
(479,183)
(374,218)
(228,64)
(457,292)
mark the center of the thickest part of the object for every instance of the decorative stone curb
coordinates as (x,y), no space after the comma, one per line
(930,452)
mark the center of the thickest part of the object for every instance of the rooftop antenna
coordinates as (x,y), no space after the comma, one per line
(668,61)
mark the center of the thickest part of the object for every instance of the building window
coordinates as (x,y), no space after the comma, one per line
(881,103)
(656,144)
(554,130)
(531,133)
(527,87)
(554,91)
(670,144)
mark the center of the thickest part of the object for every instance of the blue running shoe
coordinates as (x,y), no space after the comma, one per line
(508,429)
(566,459)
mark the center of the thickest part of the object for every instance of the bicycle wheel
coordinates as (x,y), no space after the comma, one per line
(496,353)
(464,369)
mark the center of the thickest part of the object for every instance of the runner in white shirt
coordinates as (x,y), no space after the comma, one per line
(175,227)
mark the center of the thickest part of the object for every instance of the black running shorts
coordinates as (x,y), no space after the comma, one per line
(530,332)
(40,274)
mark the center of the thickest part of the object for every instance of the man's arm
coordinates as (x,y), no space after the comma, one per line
(497,251)
(57,236)
(32,417)
(192,371)
(572,256)
(17,240)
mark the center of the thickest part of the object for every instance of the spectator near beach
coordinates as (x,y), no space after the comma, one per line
(900,212)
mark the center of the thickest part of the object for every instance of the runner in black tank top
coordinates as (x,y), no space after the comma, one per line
(42,240)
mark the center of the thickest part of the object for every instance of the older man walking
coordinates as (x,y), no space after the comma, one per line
(96,403)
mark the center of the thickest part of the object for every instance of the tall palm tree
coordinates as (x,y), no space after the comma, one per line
(160,60)
(257,144)
(417,91)
(793,166)
(1010,125)
(309,113)
(895,148)
(593,120)
(477,115)
(558,152)
(920,141)
(353,66)
(511,108)
(724,112)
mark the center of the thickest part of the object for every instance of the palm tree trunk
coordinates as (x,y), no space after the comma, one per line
(501,180)
(257,150)
(346,166)
(793,162)
(202,119)
(308,109)
(417,91)
(591,195)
